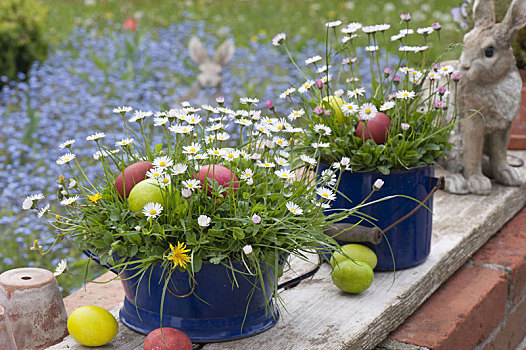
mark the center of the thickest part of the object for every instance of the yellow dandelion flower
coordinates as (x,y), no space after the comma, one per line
(178,255)
(95,197)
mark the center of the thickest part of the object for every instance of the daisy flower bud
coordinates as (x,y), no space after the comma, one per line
(269,105)
(378,184)
(318,110)
(405,17)
(247,250)
(319,83)
(436,26)
(256,219)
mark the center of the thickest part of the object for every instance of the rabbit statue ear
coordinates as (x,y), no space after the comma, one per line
(225,52)
(515,18)
(483,13)
(197,51)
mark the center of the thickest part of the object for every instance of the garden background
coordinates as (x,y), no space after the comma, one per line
(98,59)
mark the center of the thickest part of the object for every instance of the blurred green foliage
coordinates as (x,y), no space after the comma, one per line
(21,36)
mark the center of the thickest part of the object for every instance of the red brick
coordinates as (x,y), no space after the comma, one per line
(513,331)
(508,248)
(461,313)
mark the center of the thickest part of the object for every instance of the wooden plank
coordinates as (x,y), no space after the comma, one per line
(320,316)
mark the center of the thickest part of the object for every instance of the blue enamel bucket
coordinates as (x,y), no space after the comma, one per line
(408,243)
(219,306)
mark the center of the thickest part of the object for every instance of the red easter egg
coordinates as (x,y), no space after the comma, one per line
(175,340)
(133,174)
(376,128)
(221,174)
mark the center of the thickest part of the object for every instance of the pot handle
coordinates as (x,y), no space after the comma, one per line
(356,233)
(96,258)
(295,281)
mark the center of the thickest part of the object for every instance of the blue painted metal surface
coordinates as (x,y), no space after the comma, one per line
(216,310)
(411,239)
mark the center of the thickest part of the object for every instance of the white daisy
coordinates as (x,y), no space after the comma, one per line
(285,174)
(281,161)
(382,27)
(160,114)
(372,48)
(67,144)
(287,92)
(367,111)
(407,31)
(333,24)
(152,210)
(247,100)
(433,75)
(425,31)
(123,109)
(322,129)
(158,121)
(369,29)
(352,28)
(404,94)
(265,164)
(96,136)
(70,200)
(204,221)
(231,154)
(305,86)
(198,157)
(404,70)
(312,59)
(42,211)
(397,37)
(279,39)
(193,148)
(243,121)
(61,267)
(446,70)
(280,141)
(295,114)
(181,129)
(339,93)
(222,136)
(155,173)
(66,158)
(387,106)
(325,193)
(329,176)
(123,142)
(216,152)
(193,119)
(179,168)
(192,184)
(177,113)
(139,115)
(247,174)
(27,204)
(294,208)
(323,69)
(317,145)
(162,162)
(308,159)
(356,92)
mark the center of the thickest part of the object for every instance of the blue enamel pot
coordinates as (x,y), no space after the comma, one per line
(408,243)
(219,306)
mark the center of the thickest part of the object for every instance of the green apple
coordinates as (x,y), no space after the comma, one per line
(352,276)
(336,104)
(144,192)
(356,252)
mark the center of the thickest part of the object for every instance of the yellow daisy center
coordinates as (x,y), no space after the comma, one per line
(367,110)
(162,163)
(153,212)
(165,181)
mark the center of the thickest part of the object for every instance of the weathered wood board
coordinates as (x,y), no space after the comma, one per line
(320,316)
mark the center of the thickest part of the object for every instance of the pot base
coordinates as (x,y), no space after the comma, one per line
(201,330)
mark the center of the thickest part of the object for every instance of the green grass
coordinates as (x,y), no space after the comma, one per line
(253,19)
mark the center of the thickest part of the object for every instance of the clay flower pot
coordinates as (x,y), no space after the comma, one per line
(33,304)
(7,340)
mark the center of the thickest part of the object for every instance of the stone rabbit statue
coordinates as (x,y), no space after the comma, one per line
(210,70)
(491,85)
